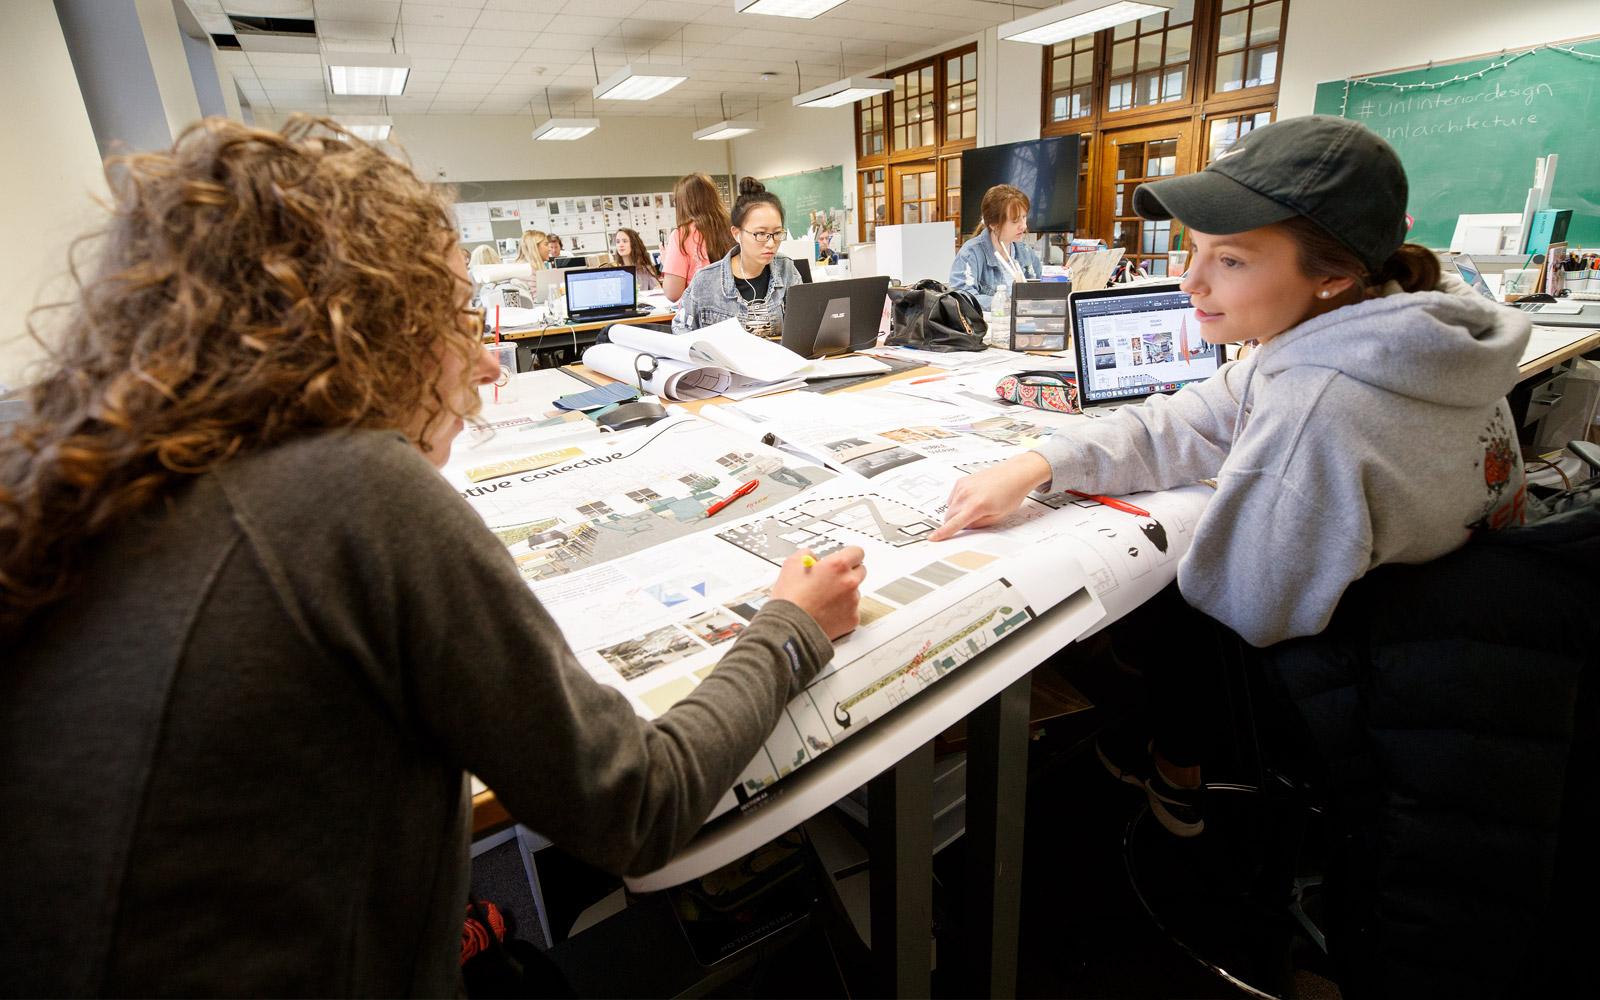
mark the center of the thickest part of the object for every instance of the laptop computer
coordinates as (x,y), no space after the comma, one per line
(601,293)
(1136,340)
(833,317)
(1468,269)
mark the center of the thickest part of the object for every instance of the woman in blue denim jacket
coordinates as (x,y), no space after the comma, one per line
(749,283)
(994,257)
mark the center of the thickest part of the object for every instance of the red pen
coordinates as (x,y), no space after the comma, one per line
(744,490)
(931,378)
(1112,502)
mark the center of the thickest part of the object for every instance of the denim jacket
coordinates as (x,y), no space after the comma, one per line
(977,268)
(711,297)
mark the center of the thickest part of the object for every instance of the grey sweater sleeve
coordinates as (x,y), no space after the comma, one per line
(383,566)
(1161,443)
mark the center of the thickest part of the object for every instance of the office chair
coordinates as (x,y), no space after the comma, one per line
(1449,711)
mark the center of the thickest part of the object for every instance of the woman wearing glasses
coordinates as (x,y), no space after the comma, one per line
(749,283)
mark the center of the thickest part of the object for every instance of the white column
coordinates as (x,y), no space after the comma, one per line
(49,167)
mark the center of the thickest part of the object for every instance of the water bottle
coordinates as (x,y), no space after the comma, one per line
(1000,305)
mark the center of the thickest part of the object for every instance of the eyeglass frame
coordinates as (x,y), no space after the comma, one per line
(774,238)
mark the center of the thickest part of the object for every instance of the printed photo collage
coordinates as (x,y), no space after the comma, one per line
(586,223)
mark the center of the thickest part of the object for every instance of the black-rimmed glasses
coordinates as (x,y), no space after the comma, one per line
(772,238)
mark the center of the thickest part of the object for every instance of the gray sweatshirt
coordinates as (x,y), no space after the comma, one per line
(1376,433)
(232,762)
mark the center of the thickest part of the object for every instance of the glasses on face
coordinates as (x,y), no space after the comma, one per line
(772,238)
(477,320)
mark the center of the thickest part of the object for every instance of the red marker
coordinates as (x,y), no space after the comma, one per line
(744,490)
(1112,502)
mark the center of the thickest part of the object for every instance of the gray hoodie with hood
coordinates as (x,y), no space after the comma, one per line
(1376,433)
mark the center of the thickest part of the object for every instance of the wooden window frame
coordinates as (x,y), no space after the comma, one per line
(1201,101)
(942,149)
(1213,40)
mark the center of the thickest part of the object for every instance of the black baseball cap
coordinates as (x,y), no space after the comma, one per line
(1335,172)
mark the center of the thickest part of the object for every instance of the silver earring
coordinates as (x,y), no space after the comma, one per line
(1324,294)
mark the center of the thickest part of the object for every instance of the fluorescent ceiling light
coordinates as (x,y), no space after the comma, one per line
(640,82)
(367,74)
(786,8)
(841,92)
(1071,20)
(565,129)
(372,128)
(726,130)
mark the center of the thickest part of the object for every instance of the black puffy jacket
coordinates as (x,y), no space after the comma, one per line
(1449,703)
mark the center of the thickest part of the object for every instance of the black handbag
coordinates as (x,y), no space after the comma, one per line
(929,316)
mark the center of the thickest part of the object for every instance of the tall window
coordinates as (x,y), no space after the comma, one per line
(913,109)
(1150,59)
(952,189)
(1224,131)
(1072,80)
(1201,74)
(871,127)
(909,141)
(874,209)
(961,96)
(1249,36)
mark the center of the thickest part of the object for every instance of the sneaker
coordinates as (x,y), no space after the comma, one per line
(1180,810)
(1124,757)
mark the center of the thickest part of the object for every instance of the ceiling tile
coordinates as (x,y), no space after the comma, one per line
(260,59)
(442,15)
(501,37)
(430,51)
(431,34)
(387,11)
(611,8)
(525,6)
(514,20)
(490,54)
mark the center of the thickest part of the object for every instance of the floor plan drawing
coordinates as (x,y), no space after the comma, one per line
(825,525)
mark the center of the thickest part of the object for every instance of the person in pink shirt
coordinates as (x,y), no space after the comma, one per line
(703,233)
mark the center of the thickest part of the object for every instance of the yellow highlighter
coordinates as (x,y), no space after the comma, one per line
(808,560)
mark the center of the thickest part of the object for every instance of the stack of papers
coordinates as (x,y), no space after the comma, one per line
(718,360)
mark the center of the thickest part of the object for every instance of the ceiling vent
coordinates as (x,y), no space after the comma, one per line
(275,34)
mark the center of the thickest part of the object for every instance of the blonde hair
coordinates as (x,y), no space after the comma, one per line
(531,249)
(484,253)
(251,288)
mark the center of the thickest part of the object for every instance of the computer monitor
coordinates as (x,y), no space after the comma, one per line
(834,317)
(600,292)
(1136,340)
(804,267)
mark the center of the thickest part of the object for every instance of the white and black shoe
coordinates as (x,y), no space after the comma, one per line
(1180,810)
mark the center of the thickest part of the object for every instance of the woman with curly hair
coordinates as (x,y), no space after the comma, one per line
(254,642)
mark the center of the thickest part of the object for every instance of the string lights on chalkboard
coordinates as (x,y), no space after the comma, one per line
(1344,102)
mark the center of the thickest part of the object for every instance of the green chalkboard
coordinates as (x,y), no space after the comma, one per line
(1468,145)
(804,193)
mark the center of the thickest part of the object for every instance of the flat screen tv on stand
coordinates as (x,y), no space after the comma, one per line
(1046,170)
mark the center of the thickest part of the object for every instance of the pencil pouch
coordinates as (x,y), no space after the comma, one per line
(1044,390)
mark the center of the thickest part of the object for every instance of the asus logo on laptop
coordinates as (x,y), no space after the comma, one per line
(837,315)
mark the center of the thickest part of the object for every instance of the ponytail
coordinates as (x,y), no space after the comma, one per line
(1413,267)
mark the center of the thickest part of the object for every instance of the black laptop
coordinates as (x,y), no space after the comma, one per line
(833,317)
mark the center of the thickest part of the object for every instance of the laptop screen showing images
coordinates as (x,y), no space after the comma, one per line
(1135,341)
(600,290)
